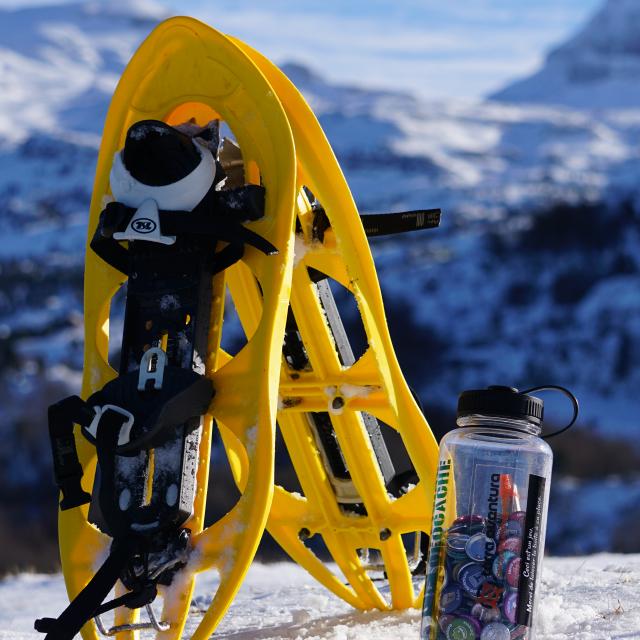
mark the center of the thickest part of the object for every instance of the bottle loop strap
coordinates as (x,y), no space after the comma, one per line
(568,394)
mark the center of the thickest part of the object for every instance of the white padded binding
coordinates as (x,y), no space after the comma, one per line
(182,195)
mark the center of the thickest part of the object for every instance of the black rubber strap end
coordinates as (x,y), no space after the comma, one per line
(73,495)
(66,464)
(103,245)
(383,224)
(246,202)
(44,625)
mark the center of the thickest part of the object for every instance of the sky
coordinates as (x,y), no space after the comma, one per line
(466,48)
(461,49)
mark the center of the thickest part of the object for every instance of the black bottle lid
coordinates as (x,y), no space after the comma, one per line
(504,402)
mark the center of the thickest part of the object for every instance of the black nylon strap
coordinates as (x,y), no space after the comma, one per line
(103,244)
(184,395)
(219,215)
(382,224)
(66,465)
(224,227)
(88,602)
(228,256)
(131,600)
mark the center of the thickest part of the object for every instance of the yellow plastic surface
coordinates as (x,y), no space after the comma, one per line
(374,384)
(185,69)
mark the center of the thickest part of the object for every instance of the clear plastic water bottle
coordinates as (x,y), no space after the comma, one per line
(489,521)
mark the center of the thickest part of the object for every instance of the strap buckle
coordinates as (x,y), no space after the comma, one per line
(125,430)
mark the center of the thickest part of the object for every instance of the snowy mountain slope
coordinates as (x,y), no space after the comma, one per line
(487,166)
(517,287)
(598,68)
(497,171)
(583,598)
(58,68)
(473,159)
(60,64)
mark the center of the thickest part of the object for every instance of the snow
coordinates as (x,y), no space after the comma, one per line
(355,390)
(584,598)
(60,64)
(300,249)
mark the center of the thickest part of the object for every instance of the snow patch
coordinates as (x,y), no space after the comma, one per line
(355,391)
(169,302)
(251,439)
(334,408)
(583,598)
(300,249)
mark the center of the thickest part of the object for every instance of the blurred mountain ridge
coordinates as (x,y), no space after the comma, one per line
(531,279)
(597,68)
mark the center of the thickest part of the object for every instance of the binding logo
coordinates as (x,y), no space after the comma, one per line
(143,225)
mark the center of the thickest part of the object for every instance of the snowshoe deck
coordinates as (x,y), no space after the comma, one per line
(186,71)
(372,516)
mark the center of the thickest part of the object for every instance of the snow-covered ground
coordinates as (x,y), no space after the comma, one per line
(584,598)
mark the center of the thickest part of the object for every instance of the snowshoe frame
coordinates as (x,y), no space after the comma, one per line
(185,70)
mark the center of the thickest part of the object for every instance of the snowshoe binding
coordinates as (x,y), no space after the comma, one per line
(133,475)
(360,446)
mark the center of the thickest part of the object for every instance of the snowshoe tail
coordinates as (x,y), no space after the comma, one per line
(343,418)
(148,430)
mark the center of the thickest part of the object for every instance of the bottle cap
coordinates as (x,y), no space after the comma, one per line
(444,621)
(460,629)
(512,572)
(501,562)
(505,402)
(457,543)
(450,599)
(513,544)
(510,606)
(511,529)
(479,546)
(495,631)
(471,577)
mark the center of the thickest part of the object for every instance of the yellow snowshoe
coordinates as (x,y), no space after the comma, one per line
(342,417)
(133,471)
